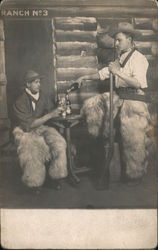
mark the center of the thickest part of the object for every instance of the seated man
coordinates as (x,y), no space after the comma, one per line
(38,143)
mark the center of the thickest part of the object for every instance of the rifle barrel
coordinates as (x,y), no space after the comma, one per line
(111,111)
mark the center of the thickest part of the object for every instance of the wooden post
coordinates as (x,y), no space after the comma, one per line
(4,121)
(54,60)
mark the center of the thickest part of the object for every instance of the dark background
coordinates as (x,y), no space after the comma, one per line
(28,45)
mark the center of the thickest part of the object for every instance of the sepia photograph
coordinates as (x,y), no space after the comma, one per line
(79,113)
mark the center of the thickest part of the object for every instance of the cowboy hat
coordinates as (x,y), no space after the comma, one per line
(31,75)
(124,27)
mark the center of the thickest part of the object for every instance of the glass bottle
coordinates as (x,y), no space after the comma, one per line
(59,103)
(73,87)
(68,105)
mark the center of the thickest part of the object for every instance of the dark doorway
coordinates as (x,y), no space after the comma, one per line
(28,45)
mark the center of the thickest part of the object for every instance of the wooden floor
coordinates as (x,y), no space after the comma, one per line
(14,195)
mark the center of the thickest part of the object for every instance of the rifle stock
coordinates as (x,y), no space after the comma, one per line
(104,179)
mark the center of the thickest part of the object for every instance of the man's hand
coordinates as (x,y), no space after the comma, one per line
(79,81)
(114,67)
(54,113)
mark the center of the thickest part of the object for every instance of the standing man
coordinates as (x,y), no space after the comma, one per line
(36,142)
(130,70)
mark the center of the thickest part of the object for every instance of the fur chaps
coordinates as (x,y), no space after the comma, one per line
(134,123)
(96,111)
(37,147)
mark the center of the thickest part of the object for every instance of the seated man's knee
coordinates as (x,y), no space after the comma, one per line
(54,139)
(32,152)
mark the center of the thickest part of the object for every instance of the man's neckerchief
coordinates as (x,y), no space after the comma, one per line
(32,98)
(127,58)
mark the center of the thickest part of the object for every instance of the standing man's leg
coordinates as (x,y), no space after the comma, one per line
(134,124)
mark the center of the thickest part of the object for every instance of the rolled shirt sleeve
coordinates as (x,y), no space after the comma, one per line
(23,115)
(104,73)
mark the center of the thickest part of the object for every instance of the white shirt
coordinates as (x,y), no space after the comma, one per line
(136,67)
(35,96)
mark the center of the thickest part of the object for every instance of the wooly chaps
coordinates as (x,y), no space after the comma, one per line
(96,111)
(134,123)
(37,147)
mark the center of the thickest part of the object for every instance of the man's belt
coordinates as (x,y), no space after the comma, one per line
(131,94)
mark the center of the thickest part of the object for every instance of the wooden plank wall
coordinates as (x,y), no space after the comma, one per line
(83,45)
(76,54)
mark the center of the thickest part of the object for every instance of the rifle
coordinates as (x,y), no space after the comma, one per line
(108,145)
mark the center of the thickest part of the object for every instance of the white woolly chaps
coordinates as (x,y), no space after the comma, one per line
(134,123)
(37,147)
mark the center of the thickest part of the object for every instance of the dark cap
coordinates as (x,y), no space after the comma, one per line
(31,75)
